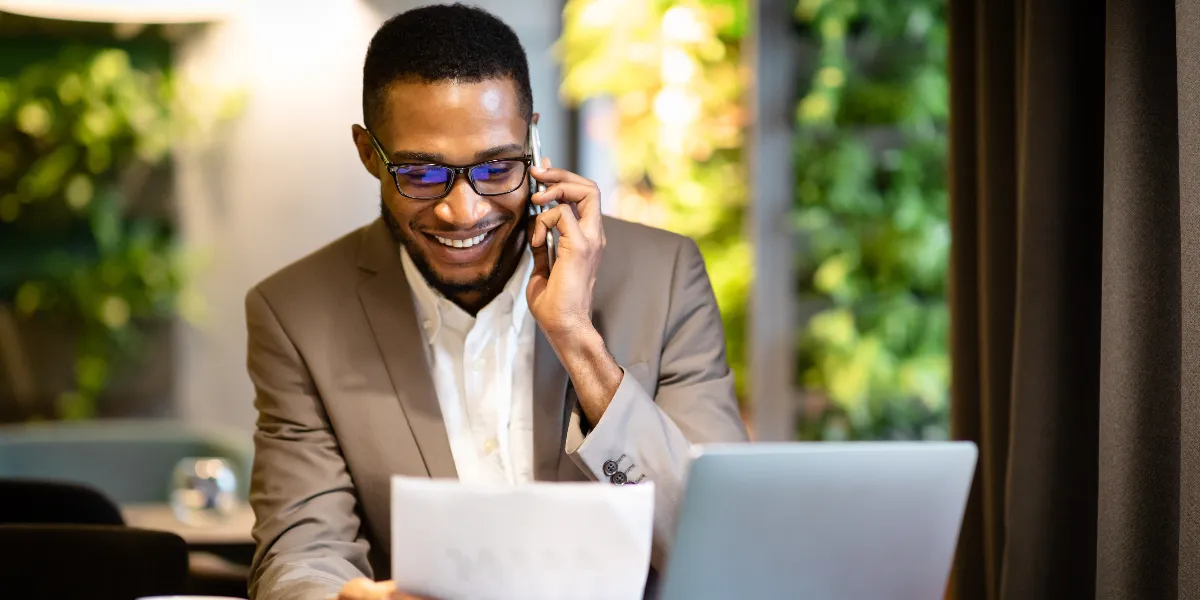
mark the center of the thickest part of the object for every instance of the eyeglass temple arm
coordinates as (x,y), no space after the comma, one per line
(378,148)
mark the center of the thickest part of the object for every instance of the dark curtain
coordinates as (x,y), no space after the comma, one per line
(1074,290)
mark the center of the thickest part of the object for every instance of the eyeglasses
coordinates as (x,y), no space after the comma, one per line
(430,181)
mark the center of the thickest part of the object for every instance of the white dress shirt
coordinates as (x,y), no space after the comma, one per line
(482,369)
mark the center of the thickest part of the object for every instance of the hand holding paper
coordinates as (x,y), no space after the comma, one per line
(366,589)
(550,541)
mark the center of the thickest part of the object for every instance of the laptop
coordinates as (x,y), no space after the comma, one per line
(820,521)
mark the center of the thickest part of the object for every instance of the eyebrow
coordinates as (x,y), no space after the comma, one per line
(408,156)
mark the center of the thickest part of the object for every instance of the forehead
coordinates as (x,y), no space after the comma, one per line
(456,119)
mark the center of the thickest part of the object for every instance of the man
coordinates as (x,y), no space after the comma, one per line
(437,342)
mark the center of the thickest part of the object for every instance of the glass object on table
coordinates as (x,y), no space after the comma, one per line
(203,491)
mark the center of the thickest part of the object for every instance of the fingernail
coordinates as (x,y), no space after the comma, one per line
(537,169)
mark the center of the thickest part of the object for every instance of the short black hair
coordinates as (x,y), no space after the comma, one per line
(443,42)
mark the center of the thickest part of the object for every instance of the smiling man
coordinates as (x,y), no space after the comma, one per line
(437,342)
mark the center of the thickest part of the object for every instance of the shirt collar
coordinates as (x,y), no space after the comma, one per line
(435,310)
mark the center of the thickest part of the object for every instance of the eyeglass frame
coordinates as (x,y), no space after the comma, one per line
(390,167)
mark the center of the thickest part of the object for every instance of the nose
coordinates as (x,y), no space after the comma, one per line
(462,207)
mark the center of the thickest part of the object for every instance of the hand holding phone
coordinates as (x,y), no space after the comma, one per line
(569,226)
(535,186)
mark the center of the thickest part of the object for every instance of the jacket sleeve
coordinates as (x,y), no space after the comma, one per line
(647,438)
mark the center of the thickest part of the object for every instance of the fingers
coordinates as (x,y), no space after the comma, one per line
(565,186)
(563,218)
(577,215)
(575,193)
(550,175)
(398,595)
(366,589)
(546,173)
(584,202)
(541,263)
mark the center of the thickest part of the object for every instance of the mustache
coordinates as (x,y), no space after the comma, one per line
(488,223)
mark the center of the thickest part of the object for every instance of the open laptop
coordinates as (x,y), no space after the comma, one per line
(821,521)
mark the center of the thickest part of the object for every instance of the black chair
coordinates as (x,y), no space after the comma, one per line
(97,562)
(31,501)
(46,502)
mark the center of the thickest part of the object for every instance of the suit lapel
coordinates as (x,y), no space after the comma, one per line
(550,410)
(387,301)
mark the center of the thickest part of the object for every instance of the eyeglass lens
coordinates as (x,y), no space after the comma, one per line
(431,181)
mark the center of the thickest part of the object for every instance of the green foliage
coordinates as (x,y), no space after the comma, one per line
(76,131)
(673,69)
(871,205)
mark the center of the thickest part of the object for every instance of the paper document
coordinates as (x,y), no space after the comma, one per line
(534,541)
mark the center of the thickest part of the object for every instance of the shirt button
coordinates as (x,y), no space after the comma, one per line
(619,478)
(610,467)
(489,446)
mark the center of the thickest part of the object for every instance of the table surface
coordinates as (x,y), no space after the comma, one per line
(233,530)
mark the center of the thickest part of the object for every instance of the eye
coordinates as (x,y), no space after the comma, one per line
(423,174)
(499,170)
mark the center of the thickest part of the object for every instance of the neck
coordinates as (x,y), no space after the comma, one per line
(472,301)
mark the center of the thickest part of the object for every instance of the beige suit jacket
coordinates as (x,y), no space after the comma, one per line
(346,400)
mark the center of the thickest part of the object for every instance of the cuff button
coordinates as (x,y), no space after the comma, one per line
(619,478)
(610,467)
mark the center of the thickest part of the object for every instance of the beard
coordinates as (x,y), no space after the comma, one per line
(488,285)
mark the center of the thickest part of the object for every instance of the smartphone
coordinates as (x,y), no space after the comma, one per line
(535,150)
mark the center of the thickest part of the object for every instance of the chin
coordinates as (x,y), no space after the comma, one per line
(455,278)
(474,278)
(473,267)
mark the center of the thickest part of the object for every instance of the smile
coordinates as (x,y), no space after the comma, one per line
(467,243)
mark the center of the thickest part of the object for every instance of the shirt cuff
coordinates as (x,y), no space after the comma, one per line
(635,441)
(605,451)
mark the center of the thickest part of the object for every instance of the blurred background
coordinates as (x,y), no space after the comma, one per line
(157,159)
(160,157)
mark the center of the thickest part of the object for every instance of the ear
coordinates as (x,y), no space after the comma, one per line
(366,150)
(534,120)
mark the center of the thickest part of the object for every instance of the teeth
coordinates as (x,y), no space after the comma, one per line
(461,243)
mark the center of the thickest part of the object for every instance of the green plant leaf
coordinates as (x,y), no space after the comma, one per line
(871,203)
(71,128)
(673,70)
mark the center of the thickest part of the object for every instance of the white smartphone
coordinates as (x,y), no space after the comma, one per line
(535,150)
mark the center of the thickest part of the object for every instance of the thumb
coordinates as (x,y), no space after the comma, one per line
(366,589)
